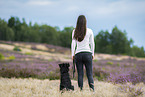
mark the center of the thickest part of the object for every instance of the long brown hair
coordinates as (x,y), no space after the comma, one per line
(80,30)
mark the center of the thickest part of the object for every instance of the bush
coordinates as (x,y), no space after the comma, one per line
(28,53)
(118,64)
(110,63)
(100,74)
(53,76)
(132,90)
(1,56)
(12,58)
(16,48)
(124,78)
(23,73)
(27,72)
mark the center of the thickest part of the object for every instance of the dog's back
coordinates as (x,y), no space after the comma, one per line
(65,82)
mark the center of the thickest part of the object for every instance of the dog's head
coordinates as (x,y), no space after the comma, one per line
(64,67)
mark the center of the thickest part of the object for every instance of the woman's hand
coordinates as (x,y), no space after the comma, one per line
(73,57)
(92,57)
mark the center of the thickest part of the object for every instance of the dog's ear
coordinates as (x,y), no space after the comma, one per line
(67,64)
(60,65)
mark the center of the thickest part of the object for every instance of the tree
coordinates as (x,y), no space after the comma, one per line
(119,41)
(138,52)
(102,42)
(65,37)
(48,34)
(15,24)
(34,33)
(11,22)
(6,33)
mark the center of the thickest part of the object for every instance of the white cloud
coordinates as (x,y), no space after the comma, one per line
(39,2)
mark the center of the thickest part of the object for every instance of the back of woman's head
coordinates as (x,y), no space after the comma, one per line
(80,30)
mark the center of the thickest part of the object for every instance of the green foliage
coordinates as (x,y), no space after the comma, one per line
(103,68)
(53,76)
(1,56)
(118,64)
(48,34)
(50,60)
(114,43)
(100,74)
(110,63)
(138,52)
(65,37)
(119,42)
(16,48)
(102,41)
(28,53)
(95,60)
(11,58)
(6,33)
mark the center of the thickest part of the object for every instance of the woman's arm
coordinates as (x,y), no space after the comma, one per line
(73,44)
(92,43)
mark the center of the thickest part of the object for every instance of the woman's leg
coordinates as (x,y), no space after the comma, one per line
(79,65)
(87,59)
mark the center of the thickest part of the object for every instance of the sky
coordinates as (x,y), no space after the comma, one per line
(127,15)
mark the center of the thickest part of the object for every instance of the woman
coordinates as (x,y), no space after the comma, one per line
(82,48)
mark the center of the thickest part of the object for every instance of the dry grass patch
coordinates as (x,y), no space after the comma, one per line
(50,88)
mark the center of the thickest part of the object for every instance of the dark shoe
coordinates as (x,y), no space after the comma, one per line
(81,88)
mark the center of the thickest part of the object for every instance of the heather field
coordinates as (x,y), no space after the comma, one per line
(31,70)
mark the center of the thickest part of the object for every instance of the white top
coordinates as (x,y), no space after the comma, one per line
(86,45)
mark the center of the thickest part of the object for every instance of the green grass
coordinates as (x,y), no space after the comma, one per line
(95,60)
(12,57)
(28,53)
(1,56)
(110,63)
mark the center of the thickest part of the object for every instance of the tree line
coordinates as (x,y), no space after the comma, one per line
(115,42)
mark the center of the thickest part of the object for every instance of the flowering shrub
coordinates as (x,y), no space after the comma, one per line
(128,88)
(53,76)
(124,78)
(100,74)
(23,73)
(132,90)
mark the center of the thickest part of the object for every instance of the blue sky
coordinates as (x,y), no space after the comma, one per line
(128,15)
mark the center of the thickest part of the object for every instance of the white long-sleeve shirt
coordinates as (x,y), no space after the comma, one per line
(86,45)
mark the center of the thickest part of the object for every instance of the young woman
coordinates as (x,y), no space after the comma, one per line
(82,48)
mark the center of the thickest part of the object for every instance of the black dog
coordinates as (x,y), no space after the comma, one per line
(65,82)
